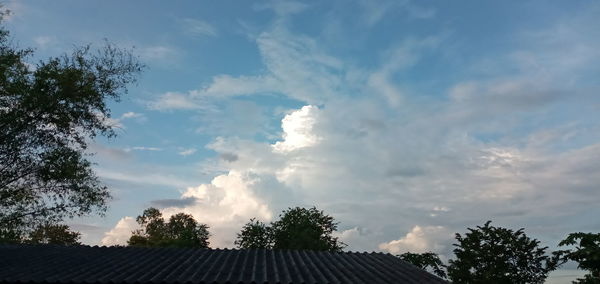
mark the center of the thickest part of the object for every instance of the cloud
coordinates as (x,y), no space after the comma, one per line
(143,148)
(225,204)
(518,147)
(44,41)
(187,152)
(174,101)
(229,157)
(373,12)
(182,202)
(133,115)
(295,68)
(120,233)
(420,240)
(160,53)
(109,152)
(16,9)
(297,130)
(282,8)
(198,27)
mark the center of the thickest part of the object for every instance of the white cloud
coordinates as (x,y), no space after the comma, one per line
(187,152)
(131,114)
(143,148)
(120,233)
(225,204)
(379,159)
(295,67)
(297,130)
(420,240)
(174,101)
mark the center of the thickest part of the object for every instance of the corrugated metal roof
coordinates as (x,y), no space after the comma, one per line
(76,264)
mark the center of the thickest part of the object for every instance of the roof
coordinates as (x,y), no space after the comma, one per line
(76,264)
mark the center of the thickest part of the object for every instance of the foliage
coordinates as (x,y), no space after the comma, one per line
(254,234)
(491,254)
(181,231)
(427,261)
(586,254)
(297,228)
(54,234)
(47,233)
(48,113)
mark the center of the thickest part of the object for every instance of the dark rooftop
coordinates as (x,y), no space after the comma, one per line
(55,264)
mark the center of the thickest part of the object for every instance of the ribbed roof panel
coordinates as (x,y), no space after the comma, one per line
(55,264)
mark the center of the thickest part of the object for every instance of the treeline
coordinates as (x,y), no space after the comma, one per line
(485,254)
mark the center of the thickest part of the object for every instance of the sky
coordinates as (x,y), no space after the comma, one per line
(407,121)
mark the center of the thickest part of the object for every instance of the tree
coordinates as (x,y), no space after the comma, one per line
(54,234)
(49,111)
(491,254)
(586,254)
(181,231)
(427,261)
(254,234)
(297,228)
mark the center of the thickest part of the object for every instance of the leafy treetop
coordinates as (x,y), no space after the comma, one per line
(297,228)
(586,253)
(48,113)
(426,261)
(491,254)
(182,230)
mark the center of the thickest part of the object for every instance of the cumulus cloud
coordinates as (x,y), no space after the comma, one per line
(225,204)
(420,240)
(378,159)
(120,233)
(297,130)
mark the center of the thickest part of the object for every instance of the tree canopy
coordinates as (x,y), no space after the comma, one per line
(427,261)
(54,234)
(182,230)
(254,234)
(491,254)
(297,228)
(586,253)
(49,111)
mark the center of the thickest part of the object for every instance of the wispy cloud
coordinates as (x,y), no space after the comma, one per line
(366,145)
(187,152)
(44,42)
(198,27)
(142,148)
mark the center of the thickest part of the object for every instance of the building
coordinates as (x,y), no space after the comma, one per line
(85,264)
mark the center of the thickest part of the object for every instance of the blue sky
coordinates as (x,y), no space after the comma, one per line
(405,120)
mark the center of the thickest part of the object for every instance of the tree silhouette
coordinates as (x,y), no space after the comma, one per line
(48,113)
(254,234)
(427,261)
(54,234)
(586,254)
(297,228)
(491,254)
(181,231)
